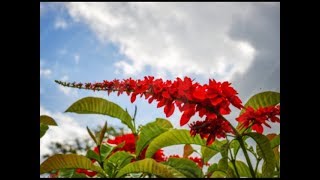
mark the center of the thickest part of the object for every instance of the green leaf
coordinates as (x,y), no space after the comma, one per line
(47,120)
(102,133)
(149,165)
(263,99)
(242,168)
(93,155)
(150,131)
(93,137)
(66,173)
(212,168)
(79,175)
(266,152)
(63,161)
(121,158)
(223,162)
(173,137)
(218,174)
(94,105)
(207,153)
(105,150)
(186,166)
(43,129)
(275,141)
(236,146)
(117,161)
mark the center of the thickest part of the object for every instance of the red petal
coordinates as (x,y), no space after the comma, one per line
(184,118)
(210,139)
(212,116)
(258,128)
(161,103)
(199,94)
(166,94)
(275,119)
(133,97)
(215,101)
(150,100)
(169,109)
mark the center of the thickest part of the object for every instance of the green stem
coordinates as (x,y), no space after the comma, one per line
(246,156)
(233,161)
(239,138)
(256,169)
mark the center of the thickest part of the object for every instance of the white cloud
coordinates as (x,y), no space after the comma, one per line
(76,58)
(60,23)
(44,72)
(66,131)
(171,38)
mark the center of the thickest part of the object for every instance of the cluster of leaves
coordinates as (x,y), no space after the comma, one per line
(80,145)
(110,160)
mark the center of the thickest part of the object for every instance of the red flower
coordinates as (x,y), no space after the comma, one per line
(130,146)
(87,172)
(199,161)
(210,129)
(258,117)
(209,100)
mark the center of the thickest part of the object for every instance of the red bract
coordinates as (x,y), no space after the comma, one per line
(256,118)
(190,97)
(130,146)
(211,129)
(87,172)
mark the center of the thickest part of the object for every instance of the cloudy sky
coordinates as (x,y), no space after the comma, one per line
(92,42)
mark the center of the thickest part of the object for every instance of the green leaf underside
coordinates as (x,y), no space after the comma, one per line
(63,161)
(275,141)
(43,129)
(93,155)
(150,131)
(149,165)
(207,153)
(105,150)
(186,166)
(94,105)
(223,162)
(174,137)
(265,151)
(242,168)
(47,120)
(263,99)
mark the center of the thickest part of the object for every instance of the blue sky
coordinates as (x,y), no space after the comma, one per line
(92,42)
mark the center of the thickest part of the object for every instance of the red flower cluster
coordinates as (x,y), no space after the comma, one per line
(197,160)
(130,146)
(209,100)
(211,129)
(256,118)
